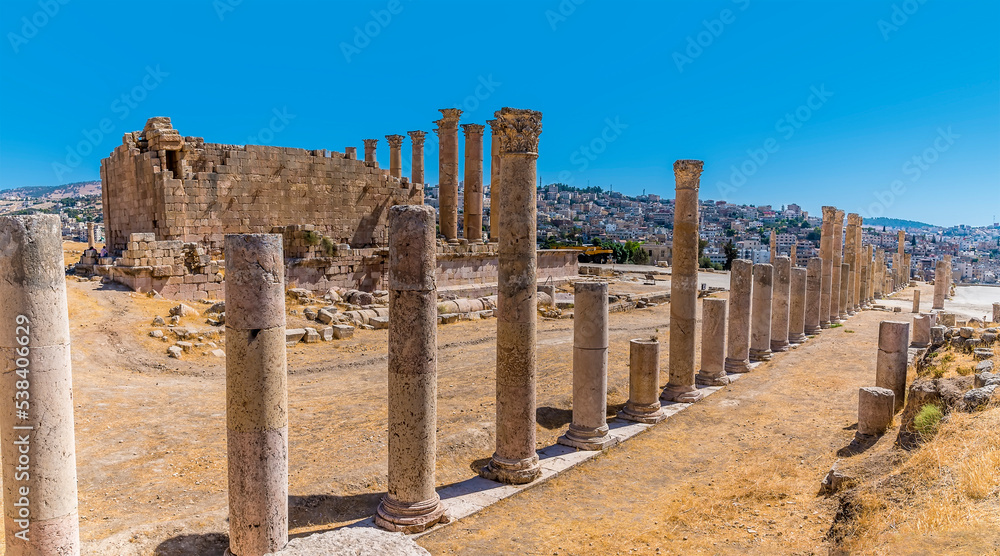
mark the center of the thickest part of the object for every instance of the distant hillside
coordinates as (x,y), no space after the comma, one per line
(896,223)
(54,192)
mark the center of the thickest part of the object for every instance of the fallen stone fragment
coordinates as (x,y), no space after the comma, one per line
(309,313)
(156,333)
(380,323)
(186,346)
(182,310)
(835,481)
(326,334)
(218,353)
(324,316)
(158,321)
(293,336)
(175,352)
(311,336)
(978,397)
(342,331)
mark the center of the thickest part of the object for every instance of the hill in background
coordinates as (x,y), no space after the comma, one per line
(54,192)
(897,223)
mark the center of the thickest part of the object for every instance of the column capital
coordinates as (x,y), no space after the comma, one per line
(829,213)
(839,216)
(854,219)
(449,118)
(395,141)
(494,126)
(687,173)
(370,143)
(473,129)
(518,130)
(417,137)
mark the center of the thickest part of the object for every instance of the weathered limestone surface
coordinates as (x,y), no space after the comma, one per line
(515,460)
(370,146)
(643,403)
(814,276)
(416,156)
(780,303)
(395,155)
(890,364)
(858,260)
(760,326)
(411,503)
(996,312)
(940,284)
(797,306)
(826,253)
(845,276)
(90,235)
(916,301)
(738,349)
(921,331)
(473,214)
(684,284)
(256,394)
(494,176)
(713,343)
(836,315)
(34,335)
(850,257)
(876,406)
(447,131)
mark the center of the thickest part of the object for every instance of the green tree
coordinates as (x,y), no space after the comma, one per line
(732,253)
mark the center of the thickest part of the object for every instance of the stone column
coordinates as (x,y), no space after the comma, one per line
(940,284)
(643,405)
(870,266)
(515,460)
(877,278)
(875,410)
(850,257)
(814,277)
(738,349)
(589,429)
(916,301)
(395,155)
(864,287)
(417,156)
(473,224)
(907,269)
(845,276)
(256,394)
(90,235)
(947,289)
(494,177)
(996,312)
(760,326)
(858,260)
(684,284)
(36,408)
(411,504)
(826,253)
(836,313)
(890,364)
(774,246)
(797,307)
(900,261)
(447,131)
(921,331)
(780,301)
(793,256)
(713,343)
(370,145)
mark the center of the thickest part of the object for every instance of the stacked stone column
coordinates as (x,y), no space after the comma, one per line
(417,156)
(940,284)
(774,246)
(845,276)
(515,460)
(90,235)
(643,405)
(473,214)
(890,364)
(900,261)
(850,257)
(921,331)
(948,276)
(36,407)
(738,348)
(793,256)
(797,306)
(814,278)
(760,325)
(411,504)
(256,394)
(858,260)
(780,302)
(494,177)
(713,343)
(837,312)
(906,269)
(870,268)
(370,145)
(916,301)
(589,429)
(395,155)
(878,277)
(684,284)
(826,254)
(447,131)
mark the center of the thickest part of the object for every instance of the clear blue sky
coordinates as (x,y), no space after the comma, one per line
(844,94)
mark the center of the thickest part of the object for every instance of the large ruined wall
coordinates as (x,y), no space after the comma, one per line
(181,188)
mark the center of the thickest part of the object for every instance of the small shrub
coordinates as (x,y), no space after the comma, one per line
(313,238)
(927,420)
(835,325)
(964,371)
(938,371)
(948,358)
(848,331)
(328,246)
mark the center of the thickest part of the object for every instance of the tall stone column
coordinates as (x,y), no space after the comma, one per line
(780,301)
(864,287)
(949,275)
(494,178)
(940,284)
(643,405)
(826,253)
(814,278)
(878,278)
(900,262)
(713,343)
(797,307)
(858,260)
(417,156)
(447,131)
(589,429)
(370,145)
(36,407)
(411,504)
(845,276)
(906,269)
(836,314)
(890,363)
(996,312)
(773,246)
(794,256)
(738,349)
(256,394)
(395,155)
(760,325)
(473,224)
(684,284)
(870,266)
(90,235)
(515,460)
(916,301)
(850,257)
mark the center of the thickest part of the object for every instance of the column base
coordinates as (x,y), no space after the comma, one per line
(737,366)
(709,379)
(843,316)
(453,242)
(587,439)
(401,517)
(918,345)
(797,338)
(824,324)
(851,312)
(760,354)
(812,330)
(641,413)
(681,394)
(511,471)
(779,346)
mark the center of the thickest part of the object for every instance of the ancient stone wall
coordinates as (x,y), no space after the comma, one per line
(182,188)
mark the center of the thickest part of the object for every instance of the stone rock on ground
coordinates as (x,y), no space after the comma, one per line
(380,323)
(311,336)
(174,351)
(325,316)
(216,309)
(835,481)
(158,321)
(182,310)
(293,335)
(979,397)
(353,541)
(342,331)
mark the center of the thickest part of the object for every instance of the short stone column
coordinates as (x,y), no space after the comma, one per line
(395,155)
(916,301)
(684,284)
(780,303)
(256,394)
(797,307)
(890,364)
(836,312)
(738,348)
(589,429)
(814,277)
(876,406)
(643,405)
(36,409)
(494,176)
(713,343)
(940,284)
(370,145)
(826,254)
(411,504)
(921,331)
(845,276)
(996,312)
(937,334)
(515,460)
(416,156)
(473,213)
(90,235)
(447,131)
(760,325)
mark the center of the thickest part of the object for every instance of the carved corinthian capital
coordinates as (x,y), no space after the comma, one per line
(518,130)
(394,140)
(687,173)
